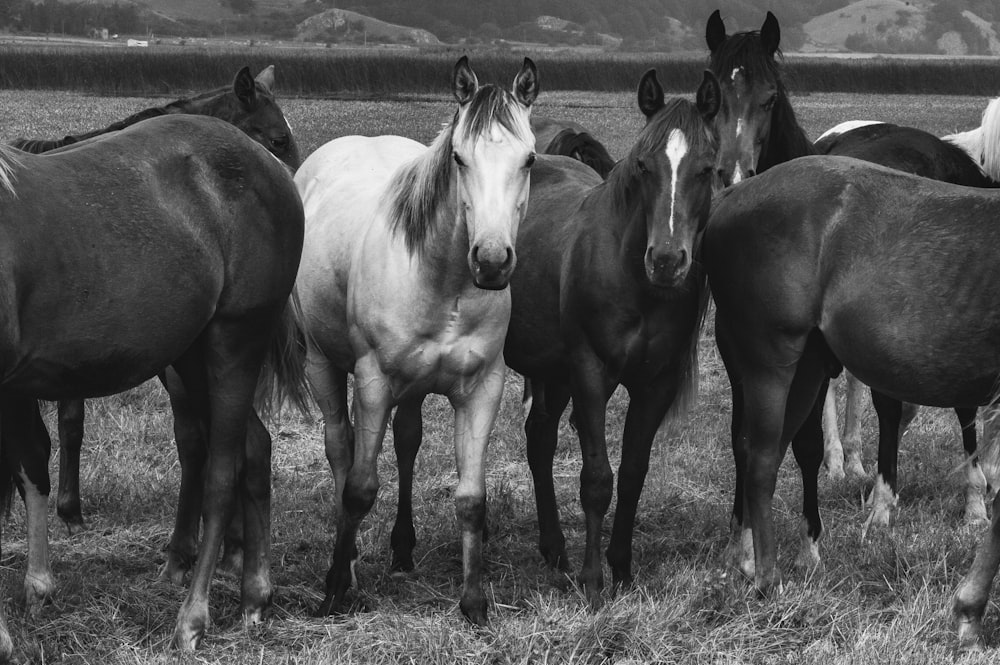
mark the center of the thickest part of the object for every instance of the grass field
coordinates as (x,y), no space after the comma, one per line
(886,600)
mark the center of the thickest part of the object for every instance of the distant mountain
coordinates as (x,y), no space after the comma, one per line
(884,26)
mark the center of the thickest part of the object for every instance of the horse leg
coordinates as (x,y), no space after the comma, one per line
(475,414)
(975,479)
(591,392)
(542,436)
(190,437)
(883,495)
(9,453)
(254,507)
(372,406)
(852,426)
(974,590)
(833,448)
(407,434)
(778,398)
(647,408)
(71,413)
(233,352)
(989,458)
(23,426)
(809,450)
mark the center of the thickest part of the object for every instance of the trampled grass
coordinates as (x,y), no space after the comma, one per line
(884,600)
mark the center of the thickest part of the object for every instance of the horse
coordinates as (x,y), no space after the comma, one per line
(758,130)
(918,152)
(249,104)
(622,247)
(409,250)
(823,262)
(565,137)
(172,243)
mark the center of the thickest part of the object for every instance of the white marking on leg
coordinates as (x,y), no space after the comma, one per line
(975,491)
(833,450)
(677,147)
(38,580)
(808,557)
(882,500)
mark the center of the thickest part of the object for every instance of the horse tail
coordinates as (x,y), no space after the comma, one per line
(687,392)
(283,376)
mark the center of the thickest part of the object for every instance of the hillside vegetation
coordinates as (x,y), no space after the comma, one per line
(954,27)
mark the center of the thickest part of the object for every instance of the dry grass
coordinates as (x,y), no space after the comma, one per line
(886,600)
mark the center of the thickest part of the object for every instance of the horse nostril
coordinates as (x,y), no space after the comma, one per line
(475,255)
(508,260)
(750,173)
(682,259)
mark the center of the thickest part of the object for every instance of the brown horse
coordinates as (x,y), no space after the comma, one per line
(565,137)
(180,239)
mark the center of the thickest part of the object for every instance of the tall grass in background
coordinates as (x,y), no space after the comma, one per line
(328,72)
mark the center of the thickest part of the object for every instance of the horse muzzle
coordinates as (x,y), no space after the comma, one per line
(667,268)
(492,266)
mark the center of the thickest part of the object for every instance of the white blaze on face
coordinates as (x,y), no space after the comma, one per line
(737,173)
(677,147)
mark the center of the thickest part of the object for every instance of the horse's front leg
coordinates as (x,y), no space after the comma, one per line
(475,413)
(372,406)
(648,406)
(407,434)
(255,506)
(974,590)
(591,391)
(71,415)
(833,448)
(975,480)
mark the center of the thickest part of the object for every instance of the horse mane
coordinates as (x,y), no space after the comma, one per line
(583,146)
(743,50)
(983,143)
(677,113)
(421,186)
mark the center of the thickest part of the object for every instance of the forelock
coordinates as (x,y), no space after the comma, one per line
(490,106)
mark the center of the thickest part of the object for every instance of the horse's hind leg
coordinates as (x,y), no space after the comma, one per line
(833,448)
(542,437)
(233,353)
(407,433)
(23,425)
(71,414)
(808,448)
(974,590)
(855,391)
(883,496)
(254,507)
(975,488)
(647,408)
(190,436)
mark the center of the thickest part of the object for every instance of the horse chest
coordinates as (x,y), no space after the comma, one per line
(635,343)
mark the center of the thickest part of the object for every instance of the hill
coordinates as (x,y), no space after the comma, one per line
(342,24)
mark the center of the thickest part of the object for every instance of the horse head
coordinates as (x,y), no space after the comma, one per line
(493,148)
(751,88)
(670,175)
(252,108)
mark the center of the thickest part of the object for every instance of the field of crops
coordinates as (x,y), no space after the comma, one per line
(884,600)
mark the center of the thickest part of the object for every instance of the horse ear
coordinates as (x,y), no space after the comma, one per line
(266,78)
(650,93)
(709,96)
(244,87)
(464,82)
(715,31)
(770,33)
(526,83)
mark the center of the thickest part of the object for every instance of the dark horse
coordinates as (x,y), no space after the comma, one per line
(758,130)
(918,152)
(826,261)
(173,243)
(623,248)
(565,137)
(249,104)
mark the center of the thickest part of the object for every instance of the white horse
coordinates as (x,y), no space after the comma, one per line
(408,253)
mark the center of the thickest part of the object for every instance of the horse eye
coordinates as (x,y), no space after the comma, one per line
(642,166)
(769,104)
(280,141)
(458,160)
(528,163)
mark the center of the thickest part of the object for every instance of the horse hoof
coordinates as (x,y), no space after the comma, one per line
(969,636)
(401,565)
(474,610)
(835,472)
(171,574)
(855,469)
(75,526)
